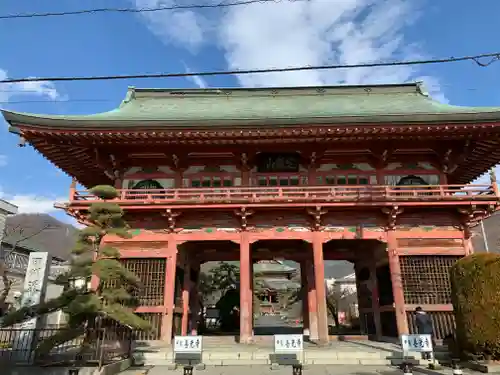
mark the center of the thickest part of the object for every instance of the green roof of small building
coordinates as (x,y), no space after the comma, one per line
(260,267)
(153,108)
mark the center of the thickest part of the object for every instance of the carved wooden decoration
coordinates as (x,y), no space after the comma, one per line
(171,219)
(244,213)
(317,214)
(392,214)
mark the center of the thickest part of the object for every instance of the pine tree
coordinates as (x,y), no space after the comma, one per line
(113,300)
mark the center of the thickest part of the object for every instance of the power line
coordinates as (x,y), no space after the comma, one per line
(492,57)
(102,100)
(57,101)
(144,10)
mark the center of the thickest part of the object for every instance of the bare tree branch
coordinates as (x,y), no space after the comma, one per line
(10,233)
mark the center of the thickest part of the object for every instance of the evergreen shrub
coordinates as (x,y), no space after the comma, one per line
(475,283)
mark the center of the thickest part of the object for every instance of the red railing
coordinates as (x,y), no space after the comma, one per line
(298,194)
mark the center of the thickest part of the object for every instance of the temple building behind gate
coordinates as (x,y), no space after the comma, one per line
(376,175)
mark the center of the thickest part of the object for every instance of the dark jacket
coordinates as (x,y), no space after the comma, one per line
(424,324)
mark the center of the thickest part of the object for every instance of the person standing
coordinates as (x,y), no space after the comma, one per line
(424,327)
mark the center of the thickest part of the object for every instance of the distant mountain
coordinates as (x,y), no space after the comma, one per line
(40,232)
(492,231)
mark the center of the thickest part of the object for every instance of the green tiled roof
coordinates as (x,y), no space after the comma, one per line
(269,267)
(145,108)
(280,284)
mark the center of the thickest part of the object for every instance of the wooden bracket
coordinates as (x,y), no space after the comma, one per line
(381,156)
(79,217)
(392,214)
(452,162)
(317,214)
(171,219)
(471,216)
(244,213)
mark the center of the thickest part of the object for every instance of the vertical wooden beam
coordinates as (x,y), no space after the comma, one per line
(186,287)
(304,295)
(246,304)
(195,302)
(397,283)
(375,299)
(312,301)
(358,265)
(319,273)
(168,317)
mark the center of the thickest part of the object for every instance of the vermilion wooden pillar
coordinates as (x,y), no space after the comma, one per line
(319,273)
(375,300)
(312,301)
(245,291)
(168,317)
(195,301)
(304,295)
(397,284)
(186,288)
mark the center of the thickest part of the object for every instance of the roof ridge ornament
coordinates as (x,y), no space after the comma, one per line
(130,95)
(421,89)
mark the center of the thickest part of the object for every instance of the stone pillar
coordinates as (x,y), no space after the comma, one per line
(319,273)
(304,295)
(186,286)
(35,287)
(168,317)
(397,284)
(246,305)
(312,302)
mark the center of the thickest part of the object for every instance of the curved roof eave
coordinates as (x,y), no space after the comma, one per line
(86,123)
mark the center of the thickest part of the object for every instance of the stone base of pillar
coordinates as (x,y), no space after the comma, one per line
(246,340)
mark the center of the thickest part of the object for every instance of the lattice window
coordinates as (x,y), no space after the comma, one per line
(151,272)
(155,321)
(426,278)
(442,321)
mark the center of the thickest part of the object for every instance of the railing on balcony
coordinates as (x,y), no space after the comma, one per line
(298,194)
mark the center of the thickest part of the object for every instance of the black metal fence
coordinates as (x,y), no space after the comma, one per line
(105,345)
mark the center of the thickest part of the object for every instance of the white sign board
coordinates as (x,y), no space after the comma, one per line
(35,287)
(416,343)
(288,343)
(188,344)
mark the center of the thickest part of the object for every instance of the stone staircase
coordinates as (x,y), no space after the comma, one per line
(224,351)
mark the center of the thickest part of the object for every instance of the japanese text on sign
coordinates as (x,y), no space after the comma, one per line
(288,343)
(416,343)
(188,344)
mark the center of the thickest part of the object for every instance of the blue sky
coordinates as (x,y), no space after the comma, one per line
(253,36)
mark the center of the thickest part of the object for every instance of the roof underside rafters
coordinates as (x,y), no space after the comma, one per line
(76,152)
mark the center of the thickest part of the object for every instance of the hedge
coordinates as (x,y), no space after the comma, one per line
(475,283)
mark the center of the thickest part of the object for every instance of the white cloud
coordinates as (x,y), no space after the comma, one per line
(31,203)
(197,80)
(183,27)
(3,160)
(42,88)
(286,33)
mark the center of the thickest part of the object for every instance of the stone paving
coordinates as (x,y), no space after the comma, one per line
(218,352)
(266,370)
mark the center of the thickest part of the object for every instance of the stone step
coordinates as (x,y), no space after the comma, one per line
(318,361)
(262,357)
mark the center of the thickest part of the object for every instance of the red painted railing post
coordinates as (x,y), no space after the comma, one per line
(293,194)
(494,187)
(72,190)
